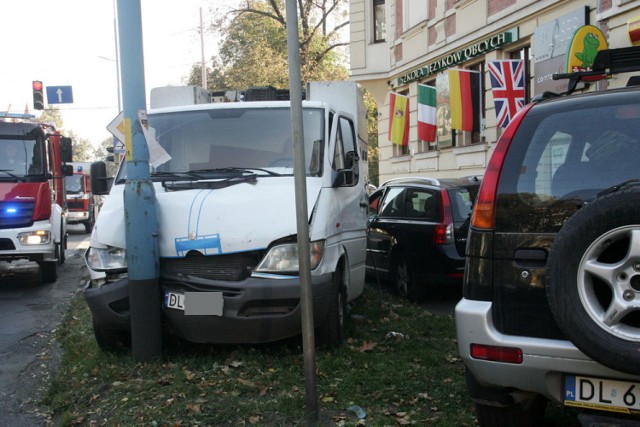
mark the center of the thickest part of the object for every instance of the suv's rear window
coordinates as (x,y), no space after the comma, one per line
(561,157)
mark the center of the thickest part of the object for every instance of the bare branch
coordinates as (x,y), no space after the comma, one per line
(318,57)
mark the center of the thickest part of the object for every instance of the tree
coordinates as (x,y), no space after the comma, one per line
(82,149)
(253,51)
(52,115)
(372,130)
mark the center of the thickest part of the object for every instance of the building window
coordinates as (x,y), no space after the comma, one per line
(525,55)
(415,12)
(379,21)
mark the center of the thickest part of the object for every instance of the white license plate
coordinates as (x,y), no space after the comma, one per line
(195,303)
(602,394)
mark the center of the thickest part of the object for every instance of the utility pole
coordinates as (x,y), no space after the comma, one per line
(302,215)
(141,222)
(204,63)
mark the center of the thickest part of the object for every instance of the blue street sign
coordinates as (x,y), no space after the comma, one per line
(59,95)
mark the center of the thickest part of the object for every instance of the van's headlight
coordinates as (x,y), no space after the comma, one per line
(110,259)
(38,237)
(284,258)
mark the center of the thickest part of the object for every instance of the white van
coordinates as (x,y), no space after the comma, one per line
(227,221)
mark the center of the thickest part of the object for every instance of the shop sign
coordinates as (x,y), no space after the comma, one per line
(460,56)
(587,41)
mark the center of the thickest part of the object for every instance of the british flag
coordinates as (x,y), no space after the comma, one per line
(507,84)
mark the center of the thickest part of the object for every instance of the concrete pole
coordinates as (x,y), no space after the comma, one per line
(203,61)
(141,223)
(302,215)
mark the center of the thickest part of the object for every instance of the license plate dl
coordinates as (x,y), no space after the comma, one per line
(602,394)
(195,303)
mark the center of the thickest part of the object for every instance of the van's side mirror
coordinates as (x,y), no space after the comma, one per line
(66,149)
(100,184)
(67,170)
(349,175)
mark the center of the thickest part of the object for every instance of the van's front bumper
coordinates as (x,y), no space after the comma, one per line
(255,310)
(11,247)
(544,361)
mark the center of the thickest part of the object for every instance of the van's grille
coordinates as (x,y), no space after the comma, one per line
(6,245)
(233,267)
(76,205)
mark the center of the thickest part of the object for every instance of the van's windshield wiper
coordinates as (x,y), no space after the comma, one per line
(16,177)
(232,170)
(173,176)
(208,183)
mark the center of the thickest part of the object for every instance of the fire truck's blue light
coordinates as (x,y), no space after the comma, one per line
(11,210)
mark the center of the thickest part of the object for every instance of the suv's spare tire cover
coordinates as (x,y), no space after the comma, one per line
(593,280)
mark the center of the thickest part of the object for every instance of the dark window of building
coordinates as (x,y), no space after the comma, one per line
(525,55)
(379,21)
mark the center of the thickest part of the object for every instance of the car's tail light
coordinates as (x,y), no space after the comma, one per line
(484,214)
(496,354)
(443,232)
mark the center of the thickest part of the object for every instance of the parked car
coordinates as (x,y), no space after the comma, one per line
(418,232)
(551,294)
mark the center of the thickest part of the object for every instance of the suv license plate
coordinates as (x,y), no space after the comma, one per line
(602,394)
(195,303)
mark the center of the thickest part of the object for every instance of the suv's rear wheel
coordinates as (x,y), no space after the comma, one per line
(593,282)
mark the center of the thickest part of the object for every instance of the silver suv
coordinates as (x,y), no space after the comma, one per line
(551,295)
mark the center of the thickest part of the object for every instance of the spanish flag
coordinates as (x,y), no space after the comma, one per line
(464,95)
(633,28)
(398,119)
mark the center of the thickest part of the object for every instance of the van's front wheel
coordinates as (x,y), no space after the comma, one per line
(333,331)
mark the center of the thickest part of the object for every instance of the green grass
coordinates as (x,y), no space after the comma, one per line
(414,378)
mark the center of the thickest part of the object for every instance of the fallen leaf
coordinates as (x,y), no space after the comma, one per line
(246,382)
(367,346)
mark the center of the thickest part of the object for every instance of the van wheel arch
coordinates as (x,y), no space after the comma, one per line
(332,332)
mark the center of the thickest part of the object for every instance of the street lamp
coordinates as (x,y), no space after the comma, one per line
(117,78)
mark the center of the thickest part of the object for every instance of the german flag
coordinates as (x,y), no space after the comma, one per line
(464,96)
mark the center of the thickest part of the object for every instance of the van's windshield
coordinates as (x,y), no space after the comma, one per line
(235,138)
(20,158)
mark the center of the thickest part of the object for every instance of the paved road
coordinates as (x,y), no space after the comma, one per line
(31,311)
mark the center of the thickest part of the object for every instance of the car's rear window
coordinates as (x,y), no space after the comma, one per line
(561,157)
(461,203)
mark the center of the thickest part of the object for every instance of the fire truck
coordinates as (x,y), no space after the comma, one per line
(33,225)
(82,204)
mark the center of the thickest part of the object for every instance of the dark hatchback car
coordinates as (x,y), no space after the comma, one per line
(418,232)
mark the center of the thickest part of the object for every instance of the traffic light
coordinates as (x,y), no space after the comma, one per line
(38,96)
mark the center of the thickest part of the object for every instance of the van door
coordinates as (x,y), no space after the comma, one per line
(350,196)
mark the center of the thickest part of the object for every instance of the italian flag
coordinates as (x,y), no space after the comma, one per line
(426,113)
(398,119)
